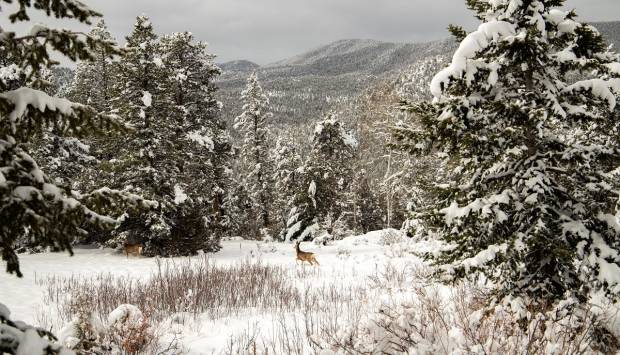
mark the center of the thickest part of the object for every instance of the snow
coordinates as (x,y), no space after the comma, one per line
(147,99)
(179,195)
(556,16)
(37,28)
(614,68)
(367,255)
(603,89)
(201,139)
(24,97)
(312,189)
(484,257)
(4,312)
(475,42)
(351,262)
(10,73)
(124,313)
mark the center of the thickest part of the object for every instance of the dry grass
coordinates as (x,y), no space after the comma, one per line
(310,311)
(194,287)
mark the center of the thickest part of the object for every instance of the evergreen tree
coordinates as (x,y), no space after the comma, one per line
(197,146)
(257,167)
(30,202)
(144,163)
(367,212)
(530,202)
(93,80)
(324,181)
(286,160)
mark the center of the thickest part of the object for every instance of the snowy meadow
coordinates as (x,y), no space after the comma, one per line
(370,294)
(145,211)
(251,296)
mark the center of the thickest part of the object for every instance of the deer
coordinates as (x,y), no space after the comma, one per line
(135,249)
(304,256)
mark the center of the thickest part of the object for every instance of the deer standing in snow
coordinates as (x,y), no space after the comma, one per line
(305,256)
(135,249)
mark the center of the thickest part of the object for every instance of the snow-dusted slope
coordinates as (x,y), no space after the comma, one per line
(305,87)
(238,66)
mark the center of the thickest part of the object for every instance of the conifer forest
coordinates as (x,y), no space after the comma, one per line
(448,194)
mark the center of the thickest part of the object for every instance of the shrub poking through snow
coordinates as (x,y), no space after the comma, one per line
(216,290)
(460,323)
(130,329)
(85,333)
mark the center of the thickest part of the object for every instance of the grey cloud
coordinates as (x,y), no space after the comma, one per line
(268,30)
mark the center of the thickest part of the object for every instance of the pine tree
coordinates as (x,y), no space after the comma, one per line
(530,201)
(196,144)
(367,212)
(324,181)
(30,202)
(144,164)
(93,80)
(257,166)
(286,161)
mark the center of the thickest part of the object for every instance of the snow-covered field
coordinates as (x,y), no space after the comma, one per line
(353,265)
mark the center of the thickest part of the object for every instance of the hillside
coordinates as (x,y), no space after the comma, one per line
(307,86)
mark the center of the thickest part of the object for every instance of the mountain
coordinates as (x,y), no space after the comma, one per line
(243,66)
(305,87)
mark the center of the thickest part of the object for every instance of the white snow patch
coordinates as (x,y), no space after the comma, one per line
(147,99)
(201,139)
(179,195)
(475,42)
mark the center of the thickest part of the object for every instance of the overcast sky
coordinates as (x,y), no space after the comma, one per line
(265,31)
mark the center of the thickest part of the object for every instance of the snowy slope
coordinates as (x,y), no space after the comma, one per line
(307,86)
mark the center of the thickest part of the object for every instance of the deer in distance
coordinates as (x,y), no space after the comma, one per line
(305,256)
(135,249)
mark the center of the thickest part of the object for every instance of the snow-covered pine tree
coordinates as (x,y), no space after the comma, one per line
(93,81)
(324,180)
(143,162)
(76,160)
(198,145)
(61,157)
(256,166)
(30,202)
(21,338)
(286,160)
(531,200)
(253,156)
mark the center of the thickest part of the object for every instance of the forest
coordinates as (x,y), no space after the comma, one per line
(471,201)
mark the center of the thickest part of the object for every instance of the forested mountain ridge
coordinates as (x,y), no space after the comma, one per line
(305,87)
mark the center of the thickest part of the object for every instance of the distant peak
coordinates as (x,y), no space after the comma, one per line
(239,66)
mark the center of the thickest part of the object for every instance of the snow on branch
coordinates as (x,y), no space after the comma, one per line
(24,105)
(472,44)
(600,88)
(24,97)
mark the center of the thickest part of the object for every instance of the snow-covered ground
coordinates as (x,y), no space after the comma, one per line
(351,263)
